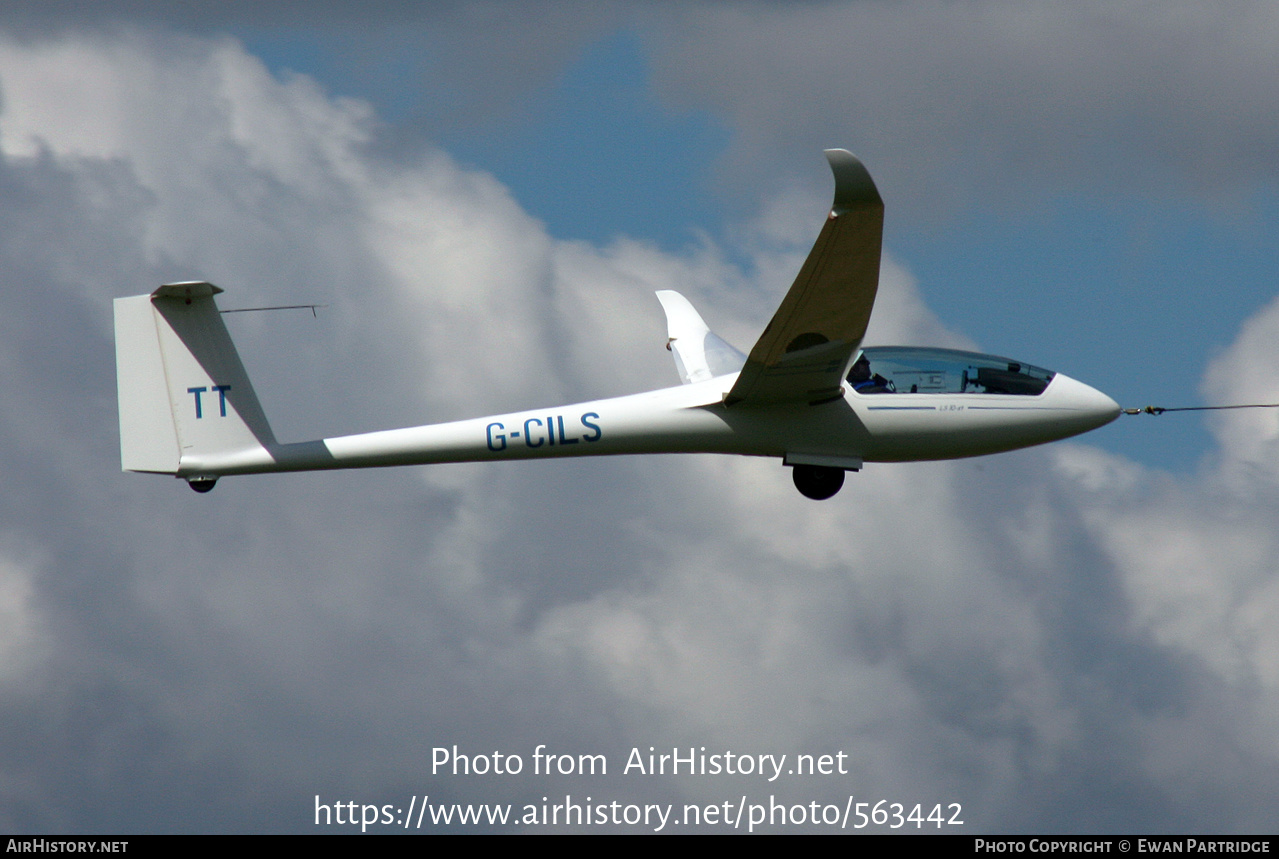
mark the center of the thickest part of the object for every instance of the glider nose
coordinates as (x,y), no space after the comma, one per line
(1102,407)
(1092,408)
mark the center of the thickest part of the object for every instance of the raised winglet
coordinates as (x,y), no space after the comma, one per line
(699,353)
(853,186)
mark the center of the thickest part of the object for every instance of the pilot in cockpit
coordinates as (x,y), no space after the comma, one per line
(865,382)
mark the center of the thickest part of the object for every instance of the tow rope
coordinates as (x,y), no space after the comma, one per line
(1159,410)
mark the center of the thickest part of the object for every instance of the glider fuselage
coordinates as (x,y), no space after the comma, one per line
(855,428)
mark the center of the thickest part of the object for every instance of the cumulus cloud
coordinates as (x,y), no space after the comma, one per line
(25,637)
(1058,639)
(1242,374)
(976,99)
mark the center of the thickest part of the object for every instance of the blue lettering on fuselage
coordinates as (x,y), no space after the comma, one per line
(497,441)
(537,433)
(528,434)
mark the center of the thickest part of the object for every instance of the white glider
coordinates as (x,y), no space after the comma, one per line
(807,392)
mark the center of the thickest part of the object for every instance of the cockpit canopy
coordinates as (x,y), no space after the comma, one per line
(906,369)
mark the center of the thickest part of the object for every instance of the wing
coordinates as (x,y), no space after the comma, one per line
(699,353)
(805,351)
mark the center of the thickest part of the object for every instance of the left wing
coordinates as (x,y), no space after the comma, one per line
(699,353)
(805,351)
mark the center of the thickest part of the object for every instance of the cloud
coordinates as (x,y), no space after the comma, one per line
(1241,375)
(1057,639)
(986,100)
(25,635)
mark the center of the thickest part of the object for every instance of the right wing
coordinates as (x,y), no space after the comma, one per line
(805,351)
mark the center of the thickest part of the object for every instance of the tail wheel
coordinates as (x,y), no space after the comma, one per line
(817,482)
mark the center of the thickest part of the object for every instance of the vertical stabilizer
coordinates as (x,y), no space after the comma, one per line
(183,392)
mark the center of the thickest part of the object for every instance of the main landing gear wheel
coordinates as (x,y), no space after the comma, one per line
(817,482)
(202,484)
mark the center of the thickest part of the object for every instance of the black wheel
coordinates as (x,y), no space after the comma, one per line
(202,484)
(817,482)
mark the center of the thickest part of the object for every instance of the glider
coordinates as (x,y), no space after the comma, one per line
(807,392)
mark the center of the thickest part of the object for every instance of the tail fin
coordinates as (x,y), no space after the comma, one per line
(182,389)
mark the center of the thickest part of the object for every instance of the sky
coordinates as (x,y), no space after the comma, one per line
(1076,638)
